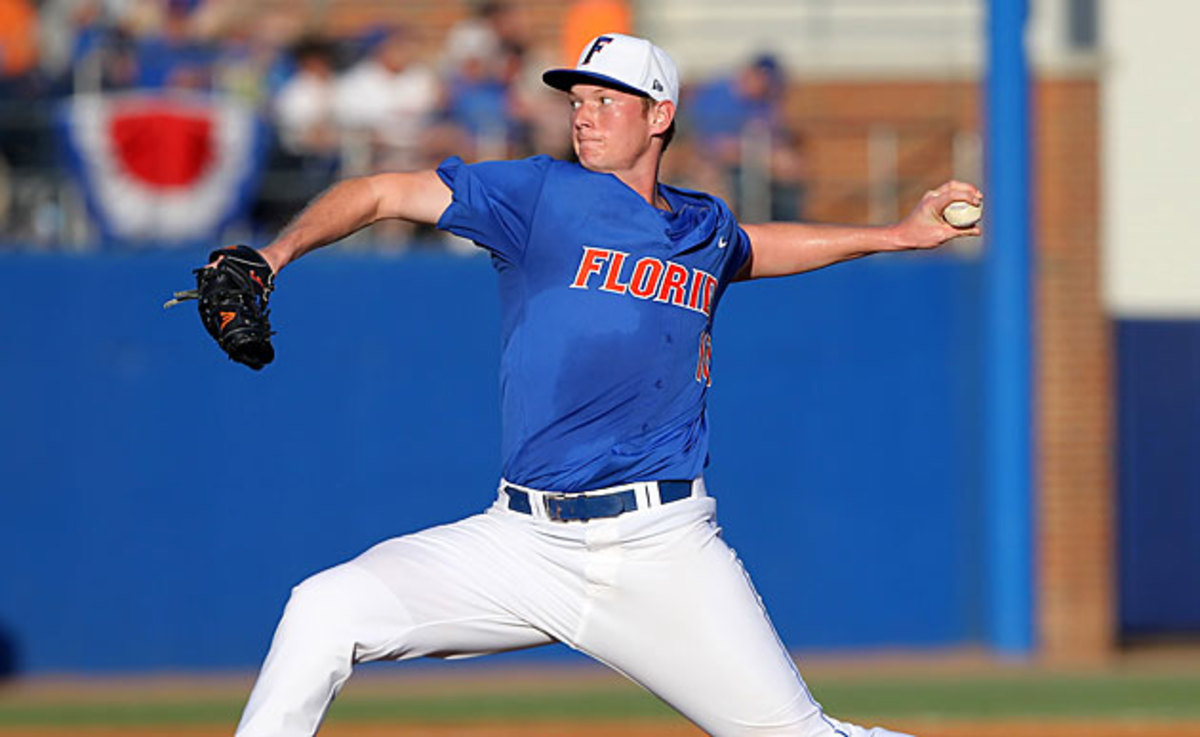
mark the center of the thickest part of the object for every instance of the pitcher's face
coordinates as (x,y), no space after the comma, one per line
(611,130)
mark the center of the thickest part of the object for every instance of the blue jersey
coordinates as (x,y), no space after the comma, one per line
(606,313)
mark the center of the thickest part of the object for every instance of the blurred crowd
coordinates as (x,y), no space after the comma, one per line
(388,97)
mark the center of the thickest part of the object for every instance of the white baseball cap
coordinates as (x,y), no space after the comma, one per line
(625,63)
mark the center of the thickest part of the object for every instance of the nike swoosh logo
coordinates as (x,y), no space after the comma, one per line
(721,243)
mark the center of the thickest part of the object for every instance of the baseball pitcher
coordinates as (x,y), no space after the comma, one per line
(602,534)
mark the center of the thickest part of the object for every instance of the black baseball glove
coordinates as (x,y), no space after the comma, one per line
(232,291)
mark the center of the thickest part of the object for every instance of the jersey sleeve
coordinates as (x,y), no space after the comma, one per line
(494,202)
(739,245)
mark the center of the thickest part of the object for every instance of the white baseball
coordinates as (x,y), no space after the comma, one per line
(962,214)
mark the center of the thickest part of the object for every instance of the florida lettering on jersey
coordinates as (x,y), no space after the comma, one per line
(646,278)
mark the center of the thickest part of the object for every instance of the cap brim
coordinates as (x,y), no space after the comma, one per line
(565,79)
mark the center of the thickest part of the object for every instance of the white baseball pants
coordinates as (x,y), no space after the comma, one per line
(655,594)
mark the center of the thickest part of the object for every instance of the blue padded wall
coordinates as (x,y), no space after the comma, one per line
(157,502)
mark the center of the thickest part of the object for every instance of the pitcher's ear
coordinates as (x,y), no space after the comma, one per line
(663,115)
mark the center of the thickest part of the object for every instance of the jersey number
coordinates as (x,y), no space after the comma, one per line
(704,365)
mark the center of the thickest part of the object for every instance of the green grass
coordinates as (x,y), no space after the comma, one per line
(591,704)
(598,704)
(224,711)
(1134,696)
(967,697)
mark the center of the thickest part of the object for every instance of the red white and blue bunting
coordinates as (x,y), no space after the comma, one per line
(165,168)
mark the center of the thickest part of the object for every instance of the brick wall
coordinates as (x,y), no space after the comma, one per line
(837,119)
(431,19)
(1076,612)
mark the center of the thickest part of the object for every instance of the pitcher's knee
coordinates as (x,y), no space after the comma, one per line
(348,609)
(322,605)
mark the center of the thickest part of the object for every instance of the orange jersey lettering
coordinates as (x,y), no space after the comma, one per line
(592,263)
(612,279)
(667,282)
(646,275)
(674,285)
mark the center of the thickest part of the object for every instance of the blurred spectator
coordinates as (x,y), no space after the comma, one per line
(391,99)
(495,94)
(471,38)
(21,134)
(93,43)
(726,106)
(483,61)
(494,29)
(305,155)
(89,47)
(739,127)
(477,104)
(536,109)
(116,61)
(170,55)
(586,19)
(304,106)
(253,63)
(18,45)
(25,139)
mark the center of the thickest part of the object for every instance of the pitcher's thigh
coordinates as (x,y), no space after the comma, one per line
(691,628)
(456,587)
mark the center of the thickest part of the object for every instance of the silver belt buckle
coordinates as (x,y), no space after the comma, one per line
(554,511)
